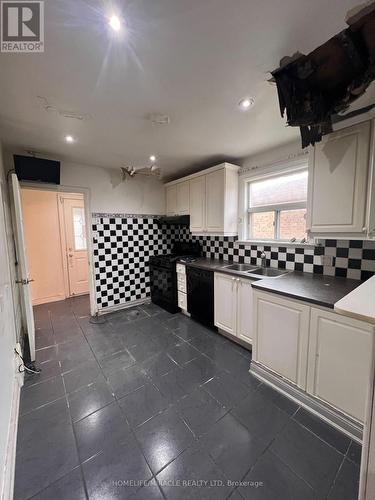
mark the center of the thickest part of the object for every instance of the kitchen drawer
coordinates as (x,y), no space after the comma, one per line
(181,278)
(182,300)
(181,269)
(181,286)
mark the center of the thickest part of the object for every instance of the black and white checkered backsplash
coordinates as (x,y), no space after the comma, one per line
(352,259)
(122,248)
(124,243)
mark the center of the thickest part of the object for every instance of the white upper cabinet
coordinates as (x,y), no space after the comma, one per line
(183,203)
(339,361)
(371,204)
(197,204)
(215,185)
(338,175)
(211,199)
(171,200)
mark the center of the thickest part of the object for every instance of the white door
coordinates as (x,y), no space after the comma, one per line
(171,198)
(339,361)
(183,198)
(225,299)
(245,310)
(338,180)
(197,196)
(215,201)
(76,245)
(23,269)
(281,336)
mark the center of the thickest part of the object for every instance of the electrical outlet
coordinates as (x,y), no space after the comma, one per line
(326,260)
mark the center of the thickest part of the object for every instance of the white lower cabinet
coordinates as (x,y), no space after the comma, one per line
(225,297)
(281,336)
(325,354)
(181,287)
(233,306)
(245,310)
(339,361)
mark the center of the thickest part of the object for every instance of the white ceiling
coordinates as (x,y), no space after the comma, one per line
(191,59)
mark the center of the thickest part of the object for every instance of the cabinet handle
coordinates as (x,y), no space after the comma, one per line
(364,229)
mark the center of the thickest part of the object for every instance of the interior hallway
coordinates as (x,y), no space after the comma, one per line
(150,395)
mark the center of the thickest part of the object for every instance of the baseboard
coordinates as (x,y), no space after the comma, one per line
(334,417)
(10,459)
(48,300)
(237,340)
(126,305)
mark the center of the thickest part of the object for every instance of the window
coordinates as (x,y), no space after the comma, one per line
(79,228)
(277,207)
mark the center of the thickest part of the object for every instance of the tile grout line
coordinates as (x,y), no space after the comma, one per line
(125,418)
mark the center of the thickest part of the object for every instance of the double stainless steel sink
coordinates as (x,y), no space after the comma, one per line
(267,272)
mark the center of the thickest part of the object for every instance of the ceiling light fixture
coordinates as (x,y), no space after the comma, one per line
(69,139)
(152,158)
(115,23)
(246,103)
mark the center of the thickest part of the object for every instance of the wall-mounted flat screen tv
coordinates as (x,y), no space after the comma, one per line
(29,168)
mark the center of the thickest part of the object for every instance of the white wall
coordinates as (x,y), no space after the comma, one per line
(140,195)
(8,335)
(274,155)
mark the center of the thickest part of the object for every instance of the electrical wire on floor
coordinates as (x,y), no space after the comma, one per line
(27,367)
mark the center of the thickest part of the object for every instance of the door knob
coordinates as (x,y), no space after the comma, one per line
(24,281)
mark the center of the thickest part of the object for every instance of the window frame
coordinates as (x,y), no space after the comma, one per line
(302,165)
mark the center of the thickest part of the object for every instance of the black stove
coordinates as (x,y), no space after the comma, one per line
(163,273)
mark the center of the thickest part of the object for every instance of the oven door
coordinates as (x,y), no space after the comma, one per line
(163,282)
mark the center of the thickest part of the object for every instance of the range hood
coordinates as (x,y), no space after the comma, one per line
(176,220)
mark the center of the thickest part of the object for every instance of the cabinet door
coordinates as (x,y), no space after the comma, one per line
(171,196)
(215,183)
(225,294)
(339,361)
(281,330)
(183,198)
(245,310)
(197,196)
(338,181)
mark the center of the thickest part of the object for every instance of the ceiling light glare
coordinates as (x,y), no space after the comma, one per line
(69,139)
(115,23)
(246,103)
(152,158)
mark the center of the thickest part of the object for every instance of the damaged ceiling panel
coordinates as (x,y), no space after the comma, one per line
(313,88)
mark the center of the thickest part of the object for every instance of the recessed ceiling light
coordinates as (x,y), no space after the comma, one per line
(152,158)
(246,103)
(115,23)
(69,138)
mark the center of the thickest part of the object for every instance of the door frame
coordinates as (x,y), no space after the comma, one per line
(40,186)
(71,196)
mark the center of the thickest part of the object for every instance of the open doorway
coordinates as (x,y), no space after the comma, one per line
(56,242)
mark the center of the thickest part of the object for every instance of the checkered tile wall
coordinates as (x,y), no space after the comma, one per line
(124,243)
(352,259)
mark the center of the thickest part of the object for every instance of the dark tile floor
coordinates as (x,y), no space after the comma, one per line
(146,395)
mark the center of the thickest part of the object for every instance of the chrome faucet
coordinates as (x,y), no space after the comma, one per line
(264,259)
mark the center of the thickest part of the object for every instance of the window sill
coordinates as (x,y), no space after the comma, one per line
(276,243)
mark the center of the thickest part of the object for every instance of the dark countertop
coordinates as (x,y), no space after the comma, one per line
(209,264)
(314,288)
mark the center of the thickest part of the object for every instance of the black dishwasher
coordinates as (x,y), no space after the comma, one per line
(200,295)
